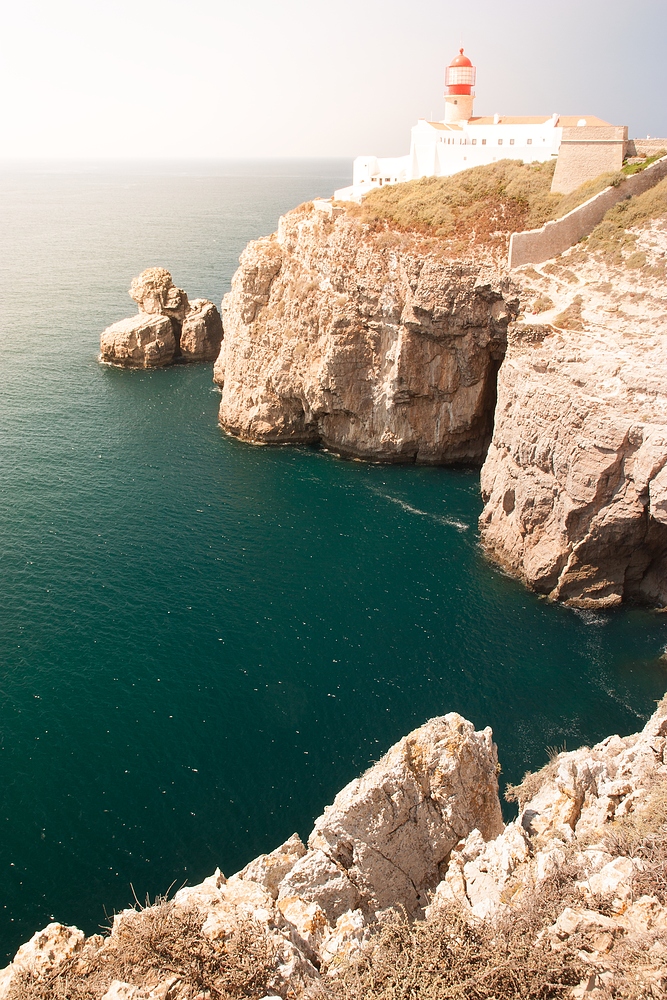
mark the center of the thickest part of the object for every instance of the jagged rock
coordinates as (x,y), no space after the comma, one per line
(155,292)
(386,834)
(201,332)
(371,343)
(479,871)
(268,870)
(345,940)
(316,878)
(45,950)
(614,880)
(143,341)
(168,327)
(308,919)
(585,789)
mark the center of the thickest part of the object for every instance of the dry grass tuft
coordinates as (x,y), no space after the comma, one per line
(451,957)
(154,944)
(570,318)
(542,304)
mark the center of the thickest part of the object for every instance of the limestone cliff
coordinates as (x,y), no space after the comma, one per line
(366,340)
(575,481)
(375,343)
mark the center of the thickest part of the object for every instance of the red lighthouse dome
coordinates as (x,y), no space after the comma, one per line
(460,75)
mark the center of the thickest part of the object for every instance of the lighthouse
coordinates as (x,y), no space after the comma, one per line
(584,146)
(459,95)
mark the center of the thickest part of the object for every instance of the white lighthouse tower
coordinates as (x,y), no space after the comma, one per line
(459,95)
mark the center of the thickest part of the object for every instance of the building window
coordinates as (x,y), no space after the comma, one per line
(511,142)
(529,142)
(484,142)
(500,142)
(474,142)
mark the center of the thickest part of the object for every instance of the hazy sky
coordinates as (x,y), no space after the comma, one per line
(167,78)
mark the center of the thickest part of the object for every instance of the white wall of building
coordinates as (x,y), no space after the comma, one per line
(440,150)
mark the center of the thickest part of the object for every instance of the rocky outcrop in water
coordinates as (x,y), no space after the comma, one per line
(368,341)
(575,481)
(168,327)
(587,852)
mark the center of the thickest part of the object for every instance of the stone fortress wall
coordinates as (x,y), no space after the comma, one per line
(537,245)
(587,152)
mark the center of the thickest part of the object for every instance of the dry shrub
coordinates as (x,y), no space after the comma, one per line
(611,236)
(625,836)
(154,944)
(643,835)
(570,318)
(531,784)
(453,956)
(484,203)
(542,304)
(640,972)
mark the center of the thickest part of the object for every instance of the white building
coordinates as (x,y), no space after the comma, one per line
(461,140)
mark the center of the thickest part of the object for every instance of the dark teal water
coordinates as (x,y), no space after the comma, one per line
(201,641)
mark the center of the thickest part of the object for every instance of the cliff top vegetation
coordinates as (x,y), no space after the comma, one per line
(483,204)
(613,237)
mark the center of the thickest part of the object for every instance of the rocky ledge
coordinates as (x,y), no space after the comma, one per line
(168,327)
(370,342)
(410,882)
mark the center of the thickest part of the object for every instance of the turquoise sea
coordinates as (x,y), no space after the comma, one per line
(202,641)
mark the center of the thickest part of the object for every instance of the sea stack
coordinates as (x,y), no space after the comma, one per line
(167,328)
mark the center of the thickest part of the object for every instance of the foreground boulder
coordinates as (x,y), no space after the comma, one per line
(389,831)
(302,908)
(574,889)
(168,328)
(372,343)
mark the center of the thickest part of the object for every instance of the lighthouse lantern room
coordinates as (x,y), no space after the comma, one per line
(459,95)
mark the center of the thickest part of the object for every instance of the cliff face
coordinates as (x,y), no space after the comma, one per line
(365,340)
(575,481)
(376,344)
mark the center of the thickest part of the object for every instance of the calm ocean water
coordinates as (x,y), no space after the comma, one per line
(201,641)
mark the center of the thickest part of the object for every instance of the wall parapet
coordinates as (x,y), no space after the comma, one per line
(533,246)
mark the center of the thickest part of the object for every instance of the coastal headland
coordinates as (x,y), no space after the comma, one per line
(395,331)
